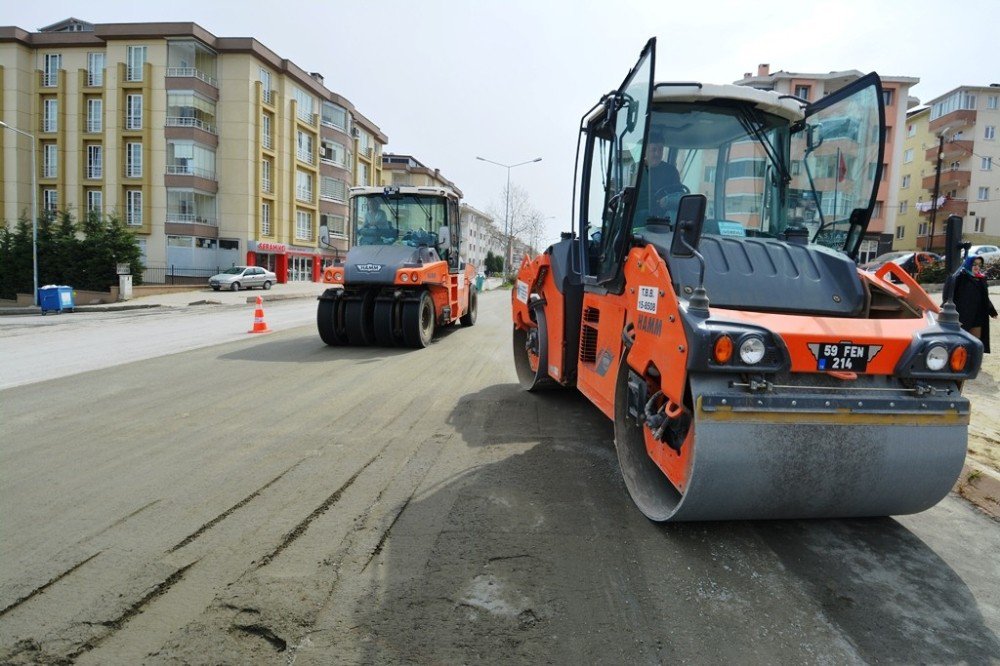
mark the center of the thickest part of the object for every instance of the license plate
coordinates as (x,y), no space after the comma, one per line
(842,356)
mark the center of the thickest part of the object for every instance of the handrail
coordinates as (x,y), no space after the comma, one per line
(193,72)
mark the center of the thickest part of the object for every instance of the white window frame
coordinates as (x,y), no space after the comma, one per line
(986,164)
(903,206)
(133,111)
(266,182)
(50,115)
(51,64)
(95,201)
(922,229)
(979,225)
(264,76)
(304,190)
(265,218)
(95,161)
(990,132)
(50,160)
(992,102)
(135,61)
(803,91)
(900,233)
(96,62)
(303,225)
(133,208)
(95,115)
(50,200)
(908,155)
(983,194)
(906,181)
(266,132)
(133,159)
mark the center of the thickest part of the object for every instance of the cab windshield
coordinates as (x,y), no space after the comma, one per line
(733,155)
(398,219)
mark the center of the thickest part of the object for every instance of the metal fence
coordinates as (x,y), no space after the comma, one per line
(175,275)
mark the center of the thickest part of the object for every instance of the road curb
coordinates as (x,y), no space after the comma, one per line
(980,486)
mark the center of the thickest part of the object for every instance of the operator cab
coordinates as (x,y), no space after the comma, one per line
(423,218)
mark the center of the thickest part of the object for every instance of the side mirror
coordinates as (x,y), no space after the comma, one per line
(690,219)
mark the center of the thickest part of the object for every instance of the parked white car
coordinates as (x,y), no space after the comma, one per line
(989,253)
(243,277)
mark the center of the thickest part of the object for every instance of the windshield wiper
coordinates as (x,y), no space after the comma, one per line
(753,124)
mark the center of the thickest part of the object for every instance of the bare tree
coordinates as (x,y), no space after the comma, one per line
(523,222)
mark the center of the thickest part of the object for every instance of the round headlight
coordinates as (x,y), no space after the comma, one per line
(404,277)
(752,350)
(338,277)
(937,356)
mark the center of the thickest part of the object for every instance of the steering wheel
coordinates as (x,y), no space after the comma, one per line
(666,199)
(418,237)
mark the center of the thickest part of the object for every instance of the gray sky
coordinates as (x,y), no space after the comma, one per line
(509,81)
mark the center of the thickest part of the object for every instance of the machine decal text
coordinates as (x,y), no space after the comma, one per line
(647,300)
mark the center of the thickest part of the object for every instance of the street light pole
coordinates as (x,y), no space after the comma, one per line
(34,209)
(506,216)
(937,189)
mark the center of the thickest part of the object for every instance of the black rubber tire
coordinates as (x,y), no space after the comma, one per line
(385,323)
(418,321)
(327,315)
(358,314)
(469,318)
(216,288)
(267,285)
(234,286)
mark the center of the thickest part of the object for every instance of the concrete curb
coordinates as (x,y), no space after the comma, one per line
(980,486)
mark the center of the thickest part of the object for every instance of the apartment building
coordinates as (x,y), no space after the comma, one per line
(407,170)
(896,89)
(911,224)
(214,150)
(480,236)
(962,129)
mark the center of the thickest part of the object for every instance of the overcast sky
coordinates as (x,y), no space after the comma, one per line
(509,80)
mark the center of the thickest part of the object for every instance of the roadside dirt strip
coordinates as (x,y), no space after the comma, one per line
(276,501)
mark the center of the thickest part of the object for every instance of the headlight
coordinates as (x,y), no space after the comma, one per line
(404,277)
(937,356)
(338,277)
(752,350)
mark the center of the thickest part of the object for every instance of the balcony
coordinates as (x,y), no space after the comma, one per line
(94,126)
(95,79)
(192,72)
(267,186)
(307,117)
(49,125)
(191,218)
(179,121)
(132,122)
(953,150)
(365,151)
(304,156)
(955,119)
(958,207)
(267,141)
(50,79)
(950,179)
(94,172)
(267,96)
(189,170)
(304,194)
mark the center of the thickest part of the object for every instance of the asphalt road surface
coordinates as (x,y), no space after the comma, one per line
(235,499)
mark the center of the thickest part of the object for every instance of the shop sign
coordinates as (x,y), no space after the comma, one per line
(277,248)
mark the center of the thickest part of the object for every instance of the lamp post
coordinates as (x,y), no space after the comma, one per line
(506,215)
(34,209)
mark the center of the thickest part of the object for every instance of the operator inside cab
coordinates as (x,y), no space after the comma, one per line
(376,227)
(659,182)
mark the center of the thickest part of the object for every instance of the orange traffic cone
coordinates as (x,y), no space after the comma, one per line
(259,325)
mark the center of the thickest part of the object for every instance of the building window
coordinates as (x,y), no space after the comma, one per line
(264,77)
(304,108)
(986,164)
(984,193)
(191,207)
(979,225)
(95,115)
(186,108)
(50,72)
(135,60)
(989,132)
(334,116)
(911,130)
(50,114)
(95,69)
(133,208)
(50,160)
(95,161)
(95,201)
(802,92)
(266,183)
(265,131)
(303,225)
(902,207)
(906,181)
(908,155)
(333,152)
(187,158)
(877,210)
(887,96)
(900,233)
(955,165)
(265,219)
(133,160)
(922,229)
(191,58)
(336,224)
(868,251)
(710,174)
(303,186)
(50,200)
(362,174)
(333,189)
(304,147)
(133,112)
(991,102)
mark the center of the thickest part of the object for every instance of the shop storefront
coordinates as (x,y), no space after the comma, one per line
(289,263)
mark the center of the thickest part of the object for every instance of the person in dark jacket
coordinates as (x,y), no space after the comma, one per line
(972,300)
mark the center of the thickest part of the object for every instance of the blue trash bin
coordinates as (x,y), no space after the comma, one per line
(55,298)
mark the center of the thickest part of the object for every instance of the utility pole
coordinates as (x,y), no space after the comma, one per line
(937,189)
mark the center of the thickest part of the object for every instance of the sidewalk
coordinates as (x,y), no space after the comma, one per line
(196,296)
